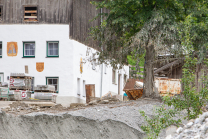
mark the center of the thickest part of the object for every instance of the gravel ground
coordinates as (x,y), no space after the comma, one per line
(118,120)
(124,112)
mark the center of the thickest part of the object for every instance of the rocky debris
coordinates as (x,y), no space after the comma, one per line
(105,100)
(74,105)
(194,129)
(18,106)
(58,107)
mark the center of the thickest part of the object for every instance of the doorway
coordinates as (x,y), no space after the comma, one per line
(90,91)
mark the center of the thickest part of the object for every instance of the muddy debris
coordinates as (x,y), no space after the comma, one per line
(21,107)
(106,100)
(75,105)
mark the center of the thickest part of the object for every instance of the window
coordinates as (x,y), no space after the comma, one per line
(53,81)
(30,13)
(52,49)
(1,10)
(125,79)
(29,49)
(0,49)
(78,86)
(114,76)
(84,90)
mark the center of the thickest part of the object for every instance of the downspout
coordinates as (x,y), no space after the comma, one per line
(101,81)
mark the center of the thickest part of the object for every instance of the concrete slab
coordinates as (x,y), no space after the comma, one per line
(5,103)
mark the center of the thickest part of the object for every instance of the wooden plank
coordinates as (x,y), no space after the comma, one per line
(33,11)
(30,16)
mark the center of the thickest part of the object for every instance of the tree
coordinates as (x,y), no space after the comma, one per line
(138,26)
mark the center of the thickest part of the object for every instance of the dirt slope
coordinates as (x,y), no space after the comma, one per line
(62,126)
(120,120)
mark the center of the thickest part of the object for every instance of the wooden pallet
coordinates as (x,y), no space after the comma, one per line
(44,91)
(19,89)
(20,77)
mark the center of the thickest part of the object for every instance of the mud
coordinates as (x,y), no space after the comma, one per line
(63,126)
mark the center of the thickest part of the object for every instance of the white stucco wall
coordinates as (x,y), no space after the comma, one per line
(94,76)
(53,67)
(66,66)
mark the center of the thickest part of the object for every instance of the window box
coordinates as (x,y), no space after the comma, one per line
(28,49)
(53,49)
(53,81)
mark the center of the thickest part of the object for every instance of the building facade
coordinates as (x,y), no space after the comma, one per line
(34,39)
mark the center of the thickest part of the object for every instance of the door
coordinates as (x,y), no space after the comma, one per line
(119,84)
(1,77)
(90,92)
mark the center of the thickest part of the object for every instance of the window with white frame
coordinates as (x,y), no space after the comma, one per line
(52,49)
(53,81)
(0,49)
(29,49)
(114,76)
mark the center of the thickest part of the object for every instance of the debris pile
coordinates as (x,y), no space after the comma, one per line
(20,106)
(105,100)
(17,107)
(195,128)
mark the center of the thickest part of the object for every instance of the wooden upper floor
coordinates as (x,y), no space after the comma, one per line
(35,11)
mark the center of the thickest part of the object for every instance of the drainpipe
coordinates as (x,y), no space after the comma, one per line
(101,81)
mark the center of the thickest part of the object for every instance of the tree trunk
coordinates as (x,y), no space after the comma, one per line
(148,72)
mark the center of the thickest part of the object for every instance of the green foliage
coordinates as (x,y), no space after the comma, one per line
(190,100)
(136,64)
(162,119)
(133,24)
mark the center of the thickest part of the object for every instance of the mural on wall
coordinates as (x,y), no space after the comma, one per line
(12,49)
(81,66)
(39,66)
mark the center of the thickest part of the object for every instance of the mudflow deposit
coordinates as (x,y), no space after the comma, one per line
(106,119)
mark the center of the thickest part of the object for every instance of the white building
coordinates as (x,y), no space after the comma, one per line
(50,44)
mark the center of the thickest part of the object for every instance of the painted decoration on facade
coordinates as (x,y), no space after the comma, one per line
(40,66)
(81,66)
(12,48)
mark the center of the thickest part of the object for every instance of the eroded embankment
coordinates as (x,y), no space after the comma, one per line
(63,126)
